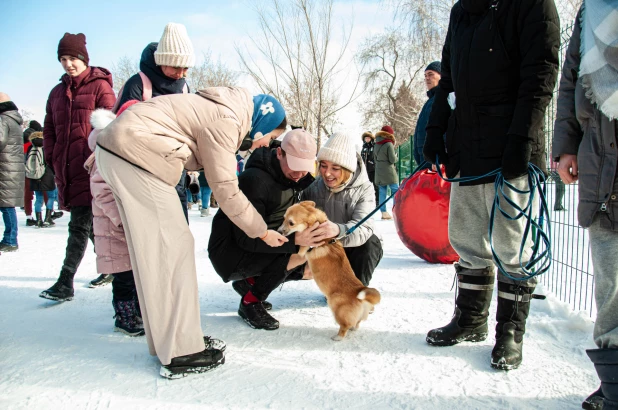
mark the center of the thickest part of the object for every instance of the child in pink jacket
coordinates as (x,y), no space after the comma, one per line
(109,239)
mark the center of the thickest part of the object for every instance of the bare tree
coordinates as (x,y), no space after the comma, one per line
(27,116)
(296,59)
(393,82)
(122,70)
(211,74)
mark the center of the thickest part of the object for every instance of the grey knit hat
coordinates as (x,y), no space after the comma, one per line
(175,48)
(435,66)
(340,150)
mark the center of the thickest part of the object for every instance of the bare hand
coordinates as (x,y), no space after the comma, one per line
(274,239)
(306,237)
(567,168)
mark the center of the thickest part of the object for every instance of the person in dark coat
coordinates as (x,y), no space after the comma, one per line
(432,77)
(166,68)
(272,181)
(501,61)
(585,145)
(28,194)
(369,144)
(44,188)
(12,171)
(66,128)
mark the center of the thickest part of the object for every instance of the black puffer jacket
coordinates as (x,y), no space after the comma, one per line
(161,85)
(582,130)
(271,193)
(502,64)
(12,166)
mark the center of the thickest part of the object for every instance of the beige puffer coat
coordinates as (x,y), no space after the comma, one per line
(168,133)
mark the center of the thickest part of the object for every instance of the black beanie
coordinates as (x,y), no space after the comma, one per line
(34,124)
(435,66)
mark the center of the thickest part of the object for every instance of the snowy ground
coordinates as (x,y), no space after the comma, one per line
(56,356)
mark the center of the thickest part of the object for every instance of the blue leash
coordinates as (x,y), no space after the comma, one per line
(540,260)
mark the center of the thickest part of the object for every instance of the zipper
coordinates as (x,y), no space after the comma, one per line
(604,207)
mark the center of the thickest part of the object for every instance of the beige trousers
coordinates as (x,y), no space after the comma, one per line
(162,253)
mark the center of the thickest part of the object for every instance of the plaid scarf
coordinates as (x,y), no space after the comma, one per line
(599,54)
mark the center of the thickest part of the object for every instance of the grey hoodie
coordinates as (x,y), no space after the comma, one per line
(347,207)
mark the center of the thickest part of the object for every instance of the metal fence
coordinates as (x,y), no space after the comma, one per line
(570,277)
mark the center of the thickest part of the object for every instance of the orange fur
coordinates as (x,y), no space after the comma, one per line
(349,300)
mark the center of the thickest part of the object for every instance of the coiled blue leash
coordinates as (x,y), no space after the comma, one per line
(540,260)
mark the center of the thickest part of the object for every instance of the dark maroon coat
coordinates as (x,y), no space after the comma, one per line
(66,130)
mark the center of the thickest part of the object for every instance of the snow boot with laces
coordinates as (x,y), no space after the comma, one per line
(511,315)
(195,363)
(126,321)
(469,322)
(257,317)
(62,290)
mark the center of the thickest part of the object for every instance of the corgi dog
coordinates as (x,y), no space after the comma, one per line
(349,300)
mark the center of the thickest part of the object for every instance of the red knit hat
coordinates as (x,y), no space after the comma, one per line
(388,129)
(73,45)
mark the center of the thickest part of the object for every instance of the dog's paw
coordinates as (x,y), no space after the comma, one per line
(337,338)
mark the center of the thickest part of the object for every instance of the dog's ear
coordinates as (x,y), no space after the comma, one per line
(307,204)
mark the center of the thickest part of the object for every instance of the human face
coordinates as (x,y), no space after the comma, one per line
(432,78)
(367,139)
(175,73)
(73,66)
(331,173)
(287,171)
(265,140)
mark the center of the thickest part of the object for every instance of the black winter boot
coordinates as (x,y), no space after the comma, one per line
(48,218)
(513,309)
(39,220)
(195,363)
(126,319)
(469,322)
(257,317)
(56,215)
(62,290)
(594,401)
(606,364)
(101,280)
(242,287)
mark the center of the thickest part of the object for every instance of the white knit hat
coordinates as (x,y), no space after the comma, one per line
(340,150)
(175,48)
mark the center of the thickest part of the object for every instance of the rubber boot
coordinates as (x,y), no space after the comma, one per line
(513,309)
(606,364)
(469,322)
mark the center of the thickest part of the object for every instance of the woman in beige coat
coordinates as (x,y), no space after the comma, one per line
(141,155)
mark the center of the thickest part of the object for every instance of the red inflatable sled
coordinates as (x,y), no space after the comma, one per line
(421,216)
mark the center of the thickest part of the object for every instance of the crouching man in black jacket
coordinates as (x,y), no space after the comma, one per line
(500,58)
(272,180)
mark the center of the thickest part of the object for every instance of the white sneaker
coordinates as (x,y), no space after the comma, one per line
(204,212)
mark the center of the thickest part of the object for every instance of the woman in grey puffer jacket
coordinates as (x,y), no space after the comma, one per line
(343,191)
(585,146)
(12,170)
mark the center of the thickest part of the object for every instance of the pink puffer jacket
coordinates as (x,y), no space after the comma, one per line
(110,243)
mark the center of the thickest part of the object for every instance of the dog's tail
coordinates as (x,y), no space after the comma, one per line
(371,295)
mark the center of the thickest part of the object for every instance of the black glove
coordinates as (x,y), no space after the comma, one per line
(434,147)
(516,157)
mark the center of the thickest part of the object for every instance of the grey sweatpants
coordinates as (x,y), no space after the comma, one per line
(162,253)
(603,246)
(468,224)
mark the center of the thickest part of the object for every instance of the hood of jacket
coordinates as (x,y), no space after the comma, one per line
(96,73)
(236,99)
(475,6)
(161,84)
(383,135)
(266,160)
(14,115)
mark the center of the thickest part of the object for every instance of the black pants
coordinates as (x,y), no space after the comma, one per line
(268,269)
(181,189)
(365,258)
(123,286)
(80,229)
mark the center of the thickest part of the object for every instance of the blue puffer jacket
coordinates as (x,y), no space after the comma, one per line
(420,133)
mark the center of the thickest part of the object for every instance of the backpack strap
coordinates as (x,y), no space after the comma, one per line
(147,86)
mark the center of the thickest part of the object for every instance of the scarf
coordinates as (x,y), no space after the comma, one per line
(599,54)
(384,141)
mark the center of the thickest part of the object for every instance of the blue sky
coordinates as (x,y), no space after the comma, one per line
(29,67)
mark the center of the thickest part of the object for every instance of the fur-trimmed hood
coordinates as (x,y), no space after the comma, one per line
(36,138)
(368,134)
(383,135)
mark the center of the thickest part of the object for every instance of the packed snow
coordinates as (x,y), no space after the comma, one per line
(66,355)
